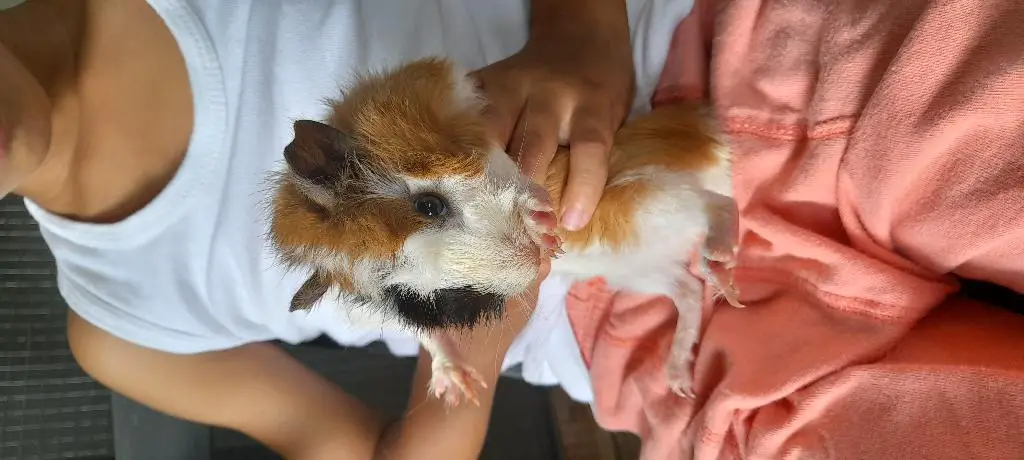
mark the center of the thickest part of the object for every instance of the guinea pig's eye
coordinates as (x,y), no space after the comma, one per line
(430,205)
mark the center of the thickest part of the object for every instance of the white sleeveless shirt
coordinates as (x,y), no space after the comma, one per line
(192,272)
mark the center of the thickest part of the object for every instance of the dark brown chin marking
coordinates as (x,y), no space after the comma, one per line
(463,307)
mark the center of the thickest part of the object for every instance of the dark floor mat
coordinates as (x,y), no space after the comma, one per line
(49,409)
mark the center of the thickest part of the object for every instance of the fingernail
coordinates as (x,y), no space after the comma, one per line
(573,218)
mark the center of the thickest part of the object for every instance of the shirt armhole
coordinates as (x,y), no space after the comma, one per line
(131,329)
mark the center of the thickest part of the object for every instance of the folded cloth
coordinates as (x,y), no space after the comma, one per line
(878,158)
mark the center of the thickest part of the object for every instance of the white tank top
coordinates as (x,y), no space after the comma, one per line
(191,272)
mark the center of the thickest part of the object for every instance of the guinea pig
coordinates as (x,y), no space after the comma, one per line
(401,206)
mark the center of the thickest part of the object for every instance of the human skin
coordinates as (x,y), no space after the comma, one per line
(572,84)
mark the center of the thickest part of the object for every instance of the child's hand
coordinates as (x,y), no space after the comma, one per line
(571,84)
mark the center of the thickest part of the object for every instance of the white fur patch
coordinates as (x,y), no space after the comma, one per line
(671,222)
(465,95)
(719,178)
(501,169)
(481,242)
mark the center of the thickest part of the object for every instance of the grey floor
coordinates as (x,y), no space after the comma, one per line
(49,409)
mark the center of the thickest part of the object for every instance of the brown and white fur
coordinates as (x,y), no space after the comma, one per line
(400,206)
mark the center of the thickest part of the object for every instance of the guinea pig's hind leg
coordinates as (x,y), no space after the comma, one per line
(718,254)
(450,379)
(679,368)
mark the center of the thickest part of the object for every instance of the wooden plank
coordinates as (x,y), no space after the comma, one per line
(583,439)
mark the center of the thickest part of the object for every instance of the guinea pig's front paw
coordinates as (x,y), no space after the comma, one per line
(541,221)
(541,226)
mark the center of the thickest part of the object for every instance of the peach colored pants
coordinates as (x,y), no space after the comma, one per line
(879,155)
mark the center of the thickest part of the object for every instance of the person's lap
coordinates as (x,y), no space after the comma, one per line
(873,170)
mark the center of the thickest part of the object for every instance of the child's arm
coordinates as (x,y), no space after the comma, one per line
(260,390)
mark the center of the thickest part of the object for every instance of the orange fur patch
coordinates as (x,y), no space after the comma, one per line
(676,138)
(342,281)
(374,228)
(612,223)
(406,121)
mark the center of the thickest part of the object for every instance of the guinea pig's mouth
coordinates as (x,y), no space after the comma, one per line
(461,307)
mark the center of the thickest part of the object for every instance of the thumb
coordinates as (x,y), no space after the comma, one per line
(589,147)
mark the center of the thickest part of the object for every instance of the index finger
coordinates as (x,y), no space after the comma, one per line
(535,138)
(500,119)
(502,109)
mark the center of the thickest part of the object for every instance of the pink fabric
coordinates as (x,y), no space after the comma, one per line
(879,150)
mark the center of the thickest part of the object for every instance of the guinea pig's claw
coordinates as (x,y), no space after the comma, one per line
(552,245)
(555,252)
(541,221)
(551,242)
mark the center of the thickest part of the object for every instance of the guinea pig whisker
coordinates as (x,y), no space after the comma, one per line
(522,140)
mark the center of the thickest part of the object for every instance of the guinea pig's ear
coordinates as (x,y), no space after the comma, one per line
(317,154)
(310,293)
